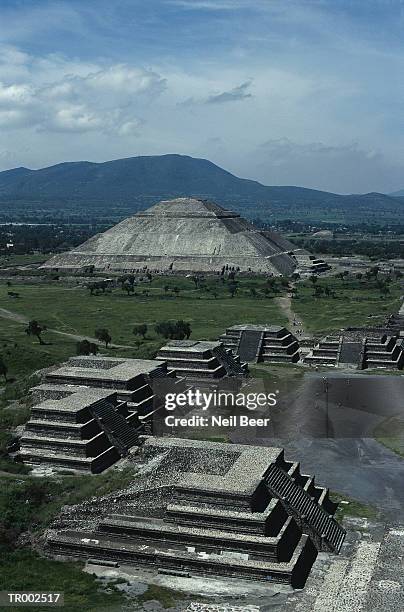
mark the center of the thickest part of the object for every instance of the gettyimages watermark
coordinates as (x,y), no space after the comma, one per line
(319,406)
(200,402)
(217,405)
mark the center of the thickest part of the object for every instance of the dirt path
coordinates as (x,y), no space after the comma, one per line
(14,316)
(295,325)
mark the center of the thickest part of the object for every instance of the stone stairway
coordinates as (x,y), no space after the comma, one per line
(233,366)
(115,426)
(298,501)
(350,353)
(249,345)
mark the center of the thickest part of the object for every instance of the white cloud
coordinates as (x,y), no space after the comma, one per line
(345,168)
(241,92)
(54,94)
(15,95)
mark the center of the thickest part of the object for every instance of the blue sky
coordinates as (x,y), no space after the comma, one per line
(286,92)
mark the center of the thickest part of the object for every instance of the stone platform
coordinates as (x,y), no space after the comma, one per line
(262,343)
(201,360)
(89,412)
(233,510)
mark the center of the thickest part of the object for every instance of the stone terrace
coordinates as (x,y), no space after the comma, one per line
(222,515)
(91,411)
(267,343)
(201,359)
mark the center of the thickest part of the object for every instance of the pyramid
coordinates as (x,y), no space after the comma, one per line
(184,235)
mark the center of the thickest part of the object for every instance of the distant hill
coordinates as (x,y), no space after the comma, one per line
(137,182)
(397,194)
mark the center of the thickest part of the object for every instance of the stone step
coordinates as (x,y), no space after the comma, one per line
(312,514)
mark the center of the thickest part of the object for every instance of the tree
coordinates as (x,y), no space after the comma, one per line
(163,329)
(103,335)
(3,368)
(271,282)
(183,327)
(85,347)
(35,329)
(173,330)
(140,330)
(128,287)
(98,286)
(232,287)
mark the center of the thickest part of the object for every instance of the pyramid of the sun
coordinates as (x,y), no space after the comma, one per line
(184,234)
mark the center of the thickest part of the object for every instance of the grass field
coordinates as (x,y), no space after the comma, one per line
(21,260)
(74,310)
(356,303)
(23,569)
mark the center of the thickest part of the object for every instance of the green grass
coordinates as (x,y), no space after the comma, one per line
(24,570)
(73,310)
(353,508)
(21,260)
(357,303)
(31,504)
(390,433)
(166,597)
(28,505)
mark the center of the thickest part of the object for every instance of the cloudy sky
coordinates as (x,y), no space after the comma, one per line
(288,92)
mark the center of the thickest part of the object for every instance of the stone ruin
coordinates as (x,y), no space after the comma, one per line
(262,343)
(326,352)
(386,352)
(370,351)
(91,411)
(186,235)
(211,509)
(196,359)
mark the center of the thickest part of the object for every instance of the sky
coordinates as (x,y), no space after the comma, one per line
(286,92)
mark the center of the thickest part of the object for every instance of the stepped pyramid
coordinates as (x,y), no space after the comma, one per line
(227,510)
(184,234)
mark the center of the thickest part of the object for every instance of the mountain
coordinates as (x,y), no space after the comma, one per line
(137,182)
(397,194)
(135,176)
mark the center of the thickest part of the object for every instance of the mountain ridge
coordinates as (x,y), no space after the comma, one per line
(138,181)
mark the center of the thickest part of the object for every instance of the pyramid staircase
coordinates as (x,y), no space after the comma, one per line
(250,345)
(230,362)
(115,426)
(261,343)
(300,504)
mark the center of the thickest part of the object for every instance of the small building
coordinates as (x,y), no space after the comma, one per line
(107,372)
(90,411)
(201,359)
(267,343)
(86,430)
(326,352)
(386,352)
